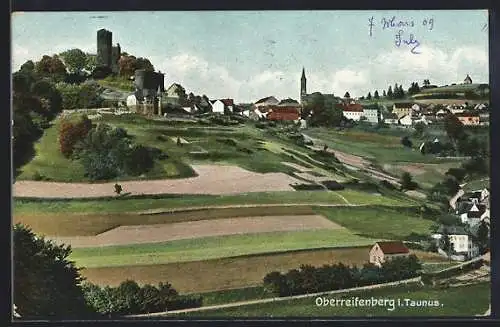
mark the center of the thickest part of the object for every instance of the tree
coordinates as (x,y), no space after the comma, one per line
(483,236)
(375,95)
(457,173)
(28,67)
(90,62)
(127,65)
(46,282)
(384,94)
(70,133)
(419,129)
(51,67)
(401,93)
(454,128)
(74,59)
(406,142)
(347,95)
(143,63)
(407,182)
(389,93)
(369,96)
(446,245)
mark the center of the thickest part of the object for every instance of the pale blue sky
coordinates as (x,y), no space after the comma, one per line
(249,55)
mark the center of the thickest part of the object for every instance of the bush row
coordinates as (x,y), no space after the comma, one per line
(309,279)
(129,298)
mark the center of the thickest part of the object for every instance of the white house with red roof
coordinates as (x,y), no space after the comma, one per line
(383,251)
(353,111)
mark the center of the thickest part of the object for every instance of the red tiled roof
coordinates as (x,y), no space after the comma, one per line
(227,102)
(393,247)
(356,107)
(284,109)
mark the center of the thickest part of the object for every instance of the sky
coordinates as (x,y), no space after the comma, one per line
(248,55)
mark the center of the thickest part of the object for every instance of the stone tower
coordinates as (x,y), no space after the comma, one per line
(104,48)
(303,87)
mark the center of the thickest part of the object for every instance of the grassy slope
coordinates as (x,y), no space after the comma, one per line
(388,223)
(458,301)
(214,247)
(50,163)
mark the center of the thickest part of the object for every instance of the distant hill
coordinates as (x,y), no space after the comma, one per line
(458,91)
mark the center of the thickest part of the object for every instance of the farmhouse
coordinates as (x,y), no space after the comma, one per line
(267,101)
(384,251)
(403,108)
(461,242)
(352,111)
(406,120)
(222,105)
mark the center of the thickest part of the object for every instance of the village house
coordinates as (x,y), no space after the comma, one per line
(406,120)
(372,114)
(383,251)
(265,102)
(222,106)
(352,111)
(476,214)
(422,119)
(481,106)
(256,114)
(462,242)
(402,108)
(390,118)
(468,119)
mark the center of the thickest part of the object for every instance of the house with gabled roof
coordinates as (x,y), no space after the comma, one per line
(402,108)
(475,214)
(462,242)
(267,101)
(383,251)
(352,111)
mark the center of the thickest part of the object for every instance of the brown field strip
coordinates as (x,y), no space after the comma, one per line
(227,273)
(93,224)
(210,275)
(125,235)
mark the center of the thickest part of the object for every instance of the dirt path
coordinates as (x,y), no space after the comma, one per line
(279,299)
(125,235)
(211,179)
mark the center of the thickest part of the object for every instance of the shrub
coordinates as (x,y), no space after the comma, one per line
(333,185)
(458,173)
(307,187)
(105,154)
(230,142)
(71,133)
(309,279)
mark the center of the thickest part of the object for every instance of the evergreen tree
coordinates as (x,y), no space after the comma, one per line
(401,92)
(384,94)
(389,92)
(369,96)
(375,95)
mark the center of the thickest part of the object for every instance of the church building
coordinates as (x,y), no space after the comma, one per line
(304,96)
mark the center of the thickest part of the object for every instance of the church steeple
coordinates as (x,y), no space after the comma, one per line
(303,86)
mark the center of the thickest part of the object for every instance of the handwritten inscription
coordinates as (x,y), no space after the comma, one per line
(401,27)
